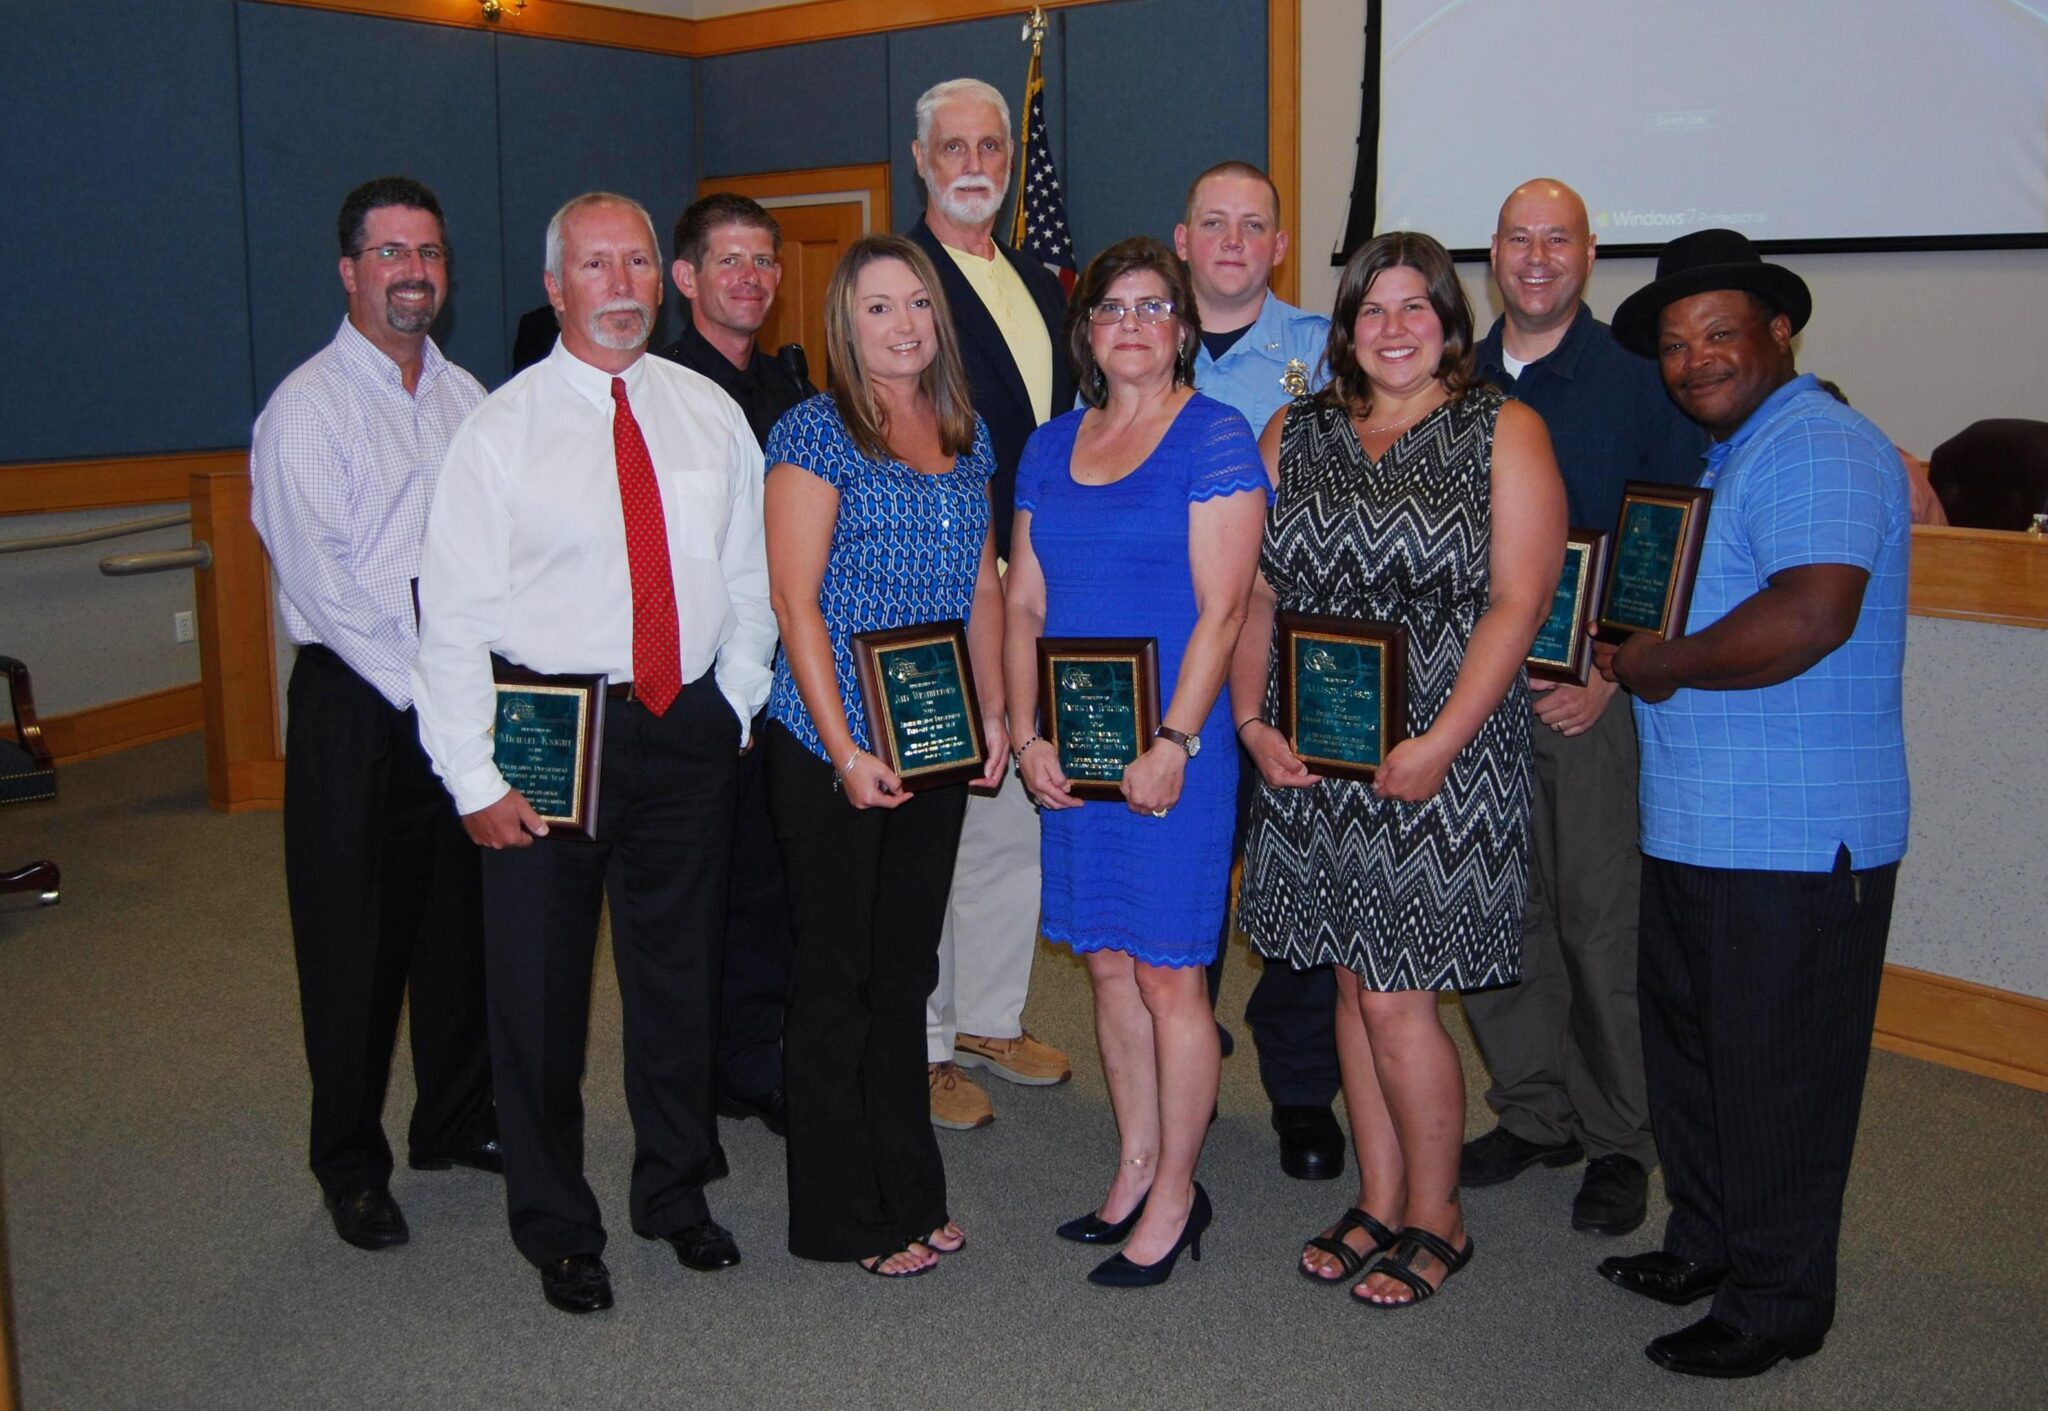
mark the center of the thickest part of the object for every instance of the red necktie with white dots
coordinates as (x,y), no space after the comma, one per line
(657,659)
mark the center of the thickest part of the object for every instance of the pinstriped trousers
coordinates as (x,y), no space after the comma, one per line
(1758,992)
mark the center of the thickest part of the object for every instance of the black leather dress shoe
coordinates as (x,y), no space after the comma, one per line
(1311,1142)
(484,1156)
(369,1219)
(578,1284)
(1500,1155)
(1664,1277)
(706,1246)
(1613,1197)
(1710,1348)
(770,1107)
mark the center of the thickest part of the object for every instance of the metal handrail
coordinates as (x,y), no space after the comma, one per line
(200,555)
(94,536)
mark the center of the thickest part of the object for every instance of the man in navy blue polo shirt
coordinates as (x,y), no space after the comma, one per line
(1774,812)
(1564,1046)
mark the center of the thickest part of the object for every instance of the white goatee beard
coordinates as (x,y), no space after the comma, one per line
(602,335)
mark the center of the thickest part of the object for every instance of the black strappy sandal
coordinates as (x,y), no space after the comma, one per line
(1399,1263)
(1349,1260)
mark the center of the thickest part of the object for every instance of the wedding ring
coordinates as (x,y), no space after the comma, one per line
(1159,813)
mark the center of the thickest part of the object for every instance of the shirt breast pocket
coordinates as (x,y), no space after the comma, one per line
(697,508)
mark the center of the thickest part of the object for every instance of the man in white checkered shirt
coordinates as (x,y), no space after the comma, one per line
(382,880)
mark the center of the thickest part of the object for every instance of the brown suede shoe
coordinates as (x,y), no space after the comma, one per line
(957,1104)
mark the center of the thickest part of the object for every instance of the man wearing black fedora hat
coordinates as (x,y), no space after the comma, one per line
(1774,812)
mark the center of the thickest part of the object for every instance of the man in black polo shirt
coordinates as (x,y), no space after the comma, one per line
(1564,1046)
(728,266)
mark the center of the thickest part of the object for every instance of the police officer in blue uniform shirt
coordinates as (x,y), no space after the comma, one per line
(1259,353)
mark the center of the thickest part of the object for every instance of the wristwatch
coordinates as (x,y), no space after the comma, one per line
(1191,743)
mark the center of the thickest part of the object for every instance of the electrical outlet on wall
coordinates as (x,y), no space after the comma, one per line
(181,627)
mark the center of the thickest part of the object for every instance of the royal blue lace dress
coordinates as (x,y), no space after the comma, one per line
(1115,559)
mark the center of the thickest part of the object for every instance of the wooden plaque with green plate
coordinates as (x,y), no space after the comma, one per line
(548,742)
(1563,649)
(1657,540)
(1343,691)
(1098,706)
(917,687)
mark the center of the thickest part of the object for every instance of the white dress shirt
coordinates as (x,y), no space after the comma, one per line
(526,550)
(342,469)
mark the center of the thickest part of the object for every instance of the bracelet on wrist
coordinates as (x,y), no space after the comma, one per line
(1250,720)
(839,775)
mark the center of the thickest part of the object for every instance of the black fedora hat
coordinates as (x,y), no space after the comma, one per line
(1702,261)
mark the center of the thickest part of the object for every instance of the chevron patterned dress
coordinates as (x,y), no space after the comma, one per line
(1410,896)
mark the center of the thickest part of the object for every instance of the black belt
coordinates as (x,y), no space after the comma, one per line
(621,691)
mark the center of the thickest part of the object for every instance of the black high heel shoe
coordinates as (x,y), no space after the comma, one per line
(1118,1271)
(1093,1229)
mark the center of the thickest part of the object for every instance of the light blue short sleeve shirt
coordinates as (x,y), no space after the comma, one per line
(1251,375)
(1777,779)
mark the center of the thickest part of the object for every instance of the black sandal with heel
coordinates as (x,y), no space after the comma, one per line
(1349,1260)
(1399,1263)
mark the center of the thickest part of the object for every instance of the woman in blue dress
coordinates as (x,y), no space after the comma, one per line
(878,517)
(1139,516)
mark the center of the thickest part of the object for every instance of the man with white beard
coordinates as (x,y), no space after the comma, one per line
(601,513)
(1008,311)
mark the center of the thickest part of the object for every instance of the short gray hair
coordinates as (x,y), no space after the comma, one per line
(938,93)
(594,198)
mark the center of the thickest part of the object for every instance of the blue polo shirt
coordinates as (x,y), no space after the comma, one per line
(1250,374)
(1610,419)
(1777,779)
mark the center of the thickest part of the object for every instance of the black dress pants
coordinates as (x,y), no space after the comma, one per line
(663,843)
(869,889)
(1759,990)
(384,892)
(757,941)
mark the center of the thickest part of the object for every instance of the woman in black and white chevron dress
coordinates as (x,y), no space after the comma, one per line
(1407,493)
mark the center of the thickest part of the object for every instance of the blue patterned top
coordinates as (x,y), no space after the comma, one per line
(906,550)
(1777,778)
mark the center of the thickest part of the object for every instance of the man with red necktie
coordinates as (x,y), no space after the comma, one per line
(601,513)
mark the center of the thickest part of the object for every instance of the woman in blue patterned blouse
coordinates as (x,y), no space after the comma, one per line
(878,517)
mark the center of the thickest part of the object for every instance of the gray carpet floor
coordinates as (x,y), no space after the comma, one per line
(169,1248)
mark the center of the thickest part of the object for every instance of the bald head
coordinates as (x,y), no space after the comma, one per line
(1542,252)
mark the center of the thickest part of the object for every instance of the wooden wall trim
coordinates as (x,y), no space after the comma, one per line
(1283,130)
(691,39)
(1980,575)
(872,178)
(119,725)
(541,19)
(844,19)
(1991,1032)
(42,487)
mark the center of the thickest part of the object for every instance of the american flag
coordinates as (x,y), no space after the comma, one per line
(1041,224)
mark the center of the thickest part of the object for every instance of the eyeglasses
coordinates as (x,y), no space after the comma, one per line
(1147,311)
(399,254)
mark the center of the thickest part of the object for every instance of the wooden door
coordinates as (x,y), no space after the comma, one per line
(821,213)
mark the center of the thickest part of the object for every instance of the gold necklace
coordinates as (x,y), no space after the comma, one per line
(1377,430)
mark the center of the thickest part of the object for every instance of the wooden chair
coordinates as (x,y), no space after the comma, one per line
(27,774)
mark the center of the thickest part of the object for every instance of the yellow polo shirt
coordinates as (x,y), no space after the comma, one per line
(1009,302)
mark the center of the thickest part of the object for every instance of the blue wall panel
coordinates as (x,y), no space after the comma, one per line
(808,105)
(575,118)
(1157,90)
(125,328)
(989,50)
(330,100)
